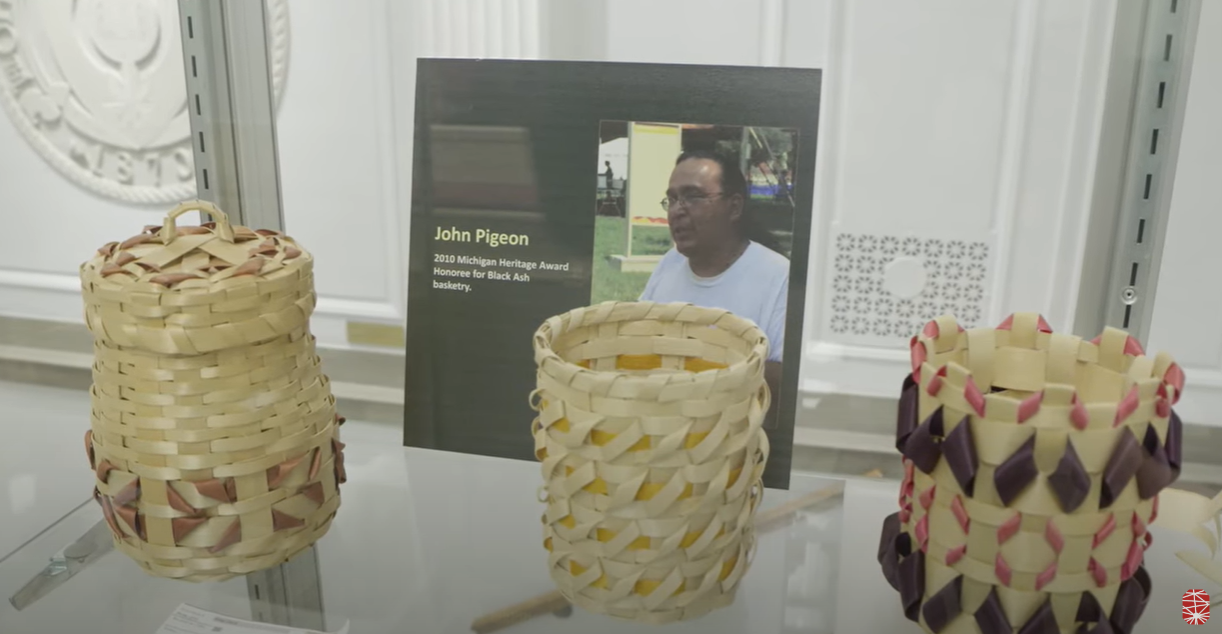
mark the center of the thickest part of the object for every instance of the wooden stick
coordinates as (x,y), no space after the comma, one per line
(538,606)
(554,601)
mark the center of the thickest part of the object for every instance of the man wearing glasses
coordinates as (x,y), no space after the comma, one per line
(718,260)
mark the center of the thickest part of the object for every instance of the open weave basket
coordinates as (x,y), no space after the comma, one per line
(214,435)
(650,434)
(1033,466)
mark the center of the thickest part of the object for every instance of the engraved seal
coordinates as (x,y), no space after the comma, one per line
(97,88)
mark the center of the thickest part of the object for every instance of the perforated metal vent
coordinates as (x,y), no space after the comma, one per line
(885,288)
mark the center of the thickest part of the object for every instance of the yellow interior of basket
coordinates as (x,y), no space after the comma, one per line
(600,438)
(650,347)
(649,489)
(645,587)
(650,362)
(641,543)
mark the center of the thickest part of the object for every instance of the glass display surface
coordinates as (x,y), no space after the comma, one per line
(432,541)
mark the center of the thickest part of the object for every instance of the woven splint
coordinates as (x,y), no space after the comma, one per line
(214,435)
(650,434)
(1033,463)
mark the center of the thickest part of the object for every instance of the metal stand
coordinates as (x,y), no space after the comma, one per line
(289,594)
(1160,92)
(232,109)
(233,126)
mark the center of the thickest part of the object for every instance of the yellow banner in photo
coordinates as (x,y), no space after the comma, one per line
(652,150)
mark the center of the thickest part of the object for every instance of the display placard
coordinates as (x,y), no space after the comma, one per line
(539,187)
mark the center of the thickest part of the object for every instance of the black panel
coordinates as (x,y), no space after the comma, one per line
(525,166)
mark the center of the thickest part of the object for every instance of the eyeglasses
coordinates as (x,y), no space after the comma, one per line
(687,200)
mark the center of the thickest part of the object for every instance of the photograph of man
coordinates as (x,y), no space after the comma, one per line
(721,258)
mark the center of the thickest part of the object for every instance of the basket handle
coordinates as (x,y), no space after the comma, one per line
(223,229)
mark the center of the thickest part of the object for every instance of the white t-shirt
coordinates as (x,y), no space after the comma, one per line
(756,286)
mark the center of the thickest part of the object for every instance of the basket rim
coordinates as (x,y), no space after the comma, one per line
(946,328)
(93,283)
(546,335)
(138,279)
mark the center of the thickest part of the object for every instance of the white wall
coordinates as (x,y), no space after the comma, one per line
(1187,303)
(974,122)
(339,176)
(950,120)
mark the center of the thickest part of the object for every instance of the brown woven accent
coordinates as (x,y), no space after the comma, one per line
(652,471)
(213,428)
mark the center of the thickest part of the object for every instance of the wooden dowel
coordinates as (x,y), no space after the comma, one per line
(553,601)
(538,606)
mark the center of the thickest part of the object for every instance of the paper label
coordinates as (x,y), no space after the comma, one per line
(188,619)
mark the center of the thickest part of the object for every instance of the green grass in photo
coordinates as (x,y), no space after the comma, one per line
(648,240)
(610,236)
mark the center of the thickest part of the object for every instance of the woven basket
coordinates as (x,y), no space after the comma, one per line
(214,434)
(650,434)
(1033,465)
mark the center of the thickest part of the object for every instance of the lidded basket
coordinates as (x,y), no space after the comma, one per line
(214,436)
(1033,462)
(650,433)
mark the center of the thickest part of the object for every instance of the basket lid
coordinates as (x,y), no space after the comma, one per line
(177,259)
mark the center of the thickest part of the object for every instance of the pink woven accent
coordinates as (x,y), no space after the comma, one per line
(1104,531)
(1098,572)
(1009,528)
(956,507)
(1046,577)
(907,486)
(1139,527)
(1133,347)
(955,554)
(1175,376)
(927,497)
(1030,406)
(1053,536)
(935,384)
(1002,570)
(1043,326)
(905,514)
(931,330)
(1007,323)
(1132,561)
(972,395)
(1127,406)
(922,533)
(918,354)
(1078,415)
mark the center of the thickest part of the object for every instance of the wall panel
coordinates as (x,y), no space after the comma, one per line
(1187,302)
(962,129)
